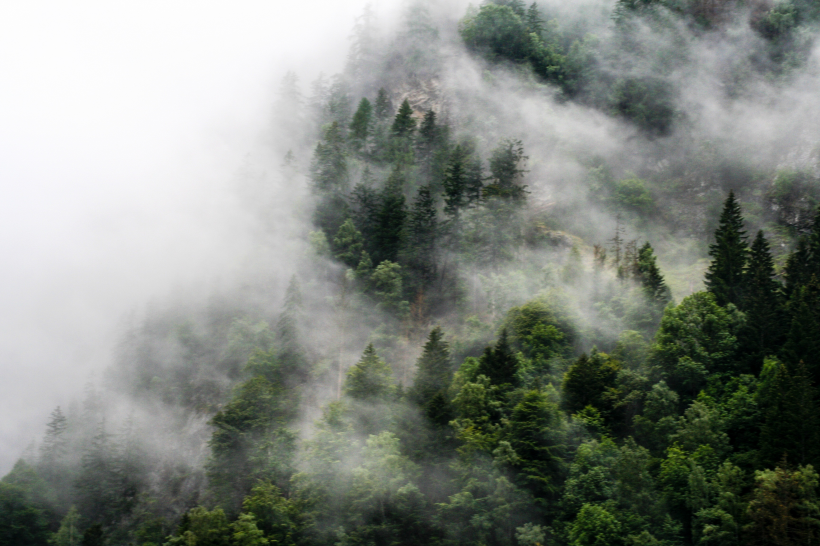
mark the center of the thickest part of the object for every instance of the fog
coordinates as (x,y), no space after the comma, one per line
(122,127)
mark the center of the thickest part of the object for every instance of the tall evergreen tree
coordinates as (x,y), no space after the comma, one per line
(803,337)
(55,442)
(370,378)
(383,107)
(724,278)
(651,278)
(360,126)
(499,363)
(506,171)
(763,331)
(423,230)
(434,370)
(403,124)
(391,218)
(535,24)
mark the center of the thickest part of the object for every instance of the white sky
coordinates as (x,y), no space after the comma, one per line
(120,125)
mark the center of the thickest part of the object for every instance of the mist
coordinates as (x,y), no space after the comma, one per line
(123,129)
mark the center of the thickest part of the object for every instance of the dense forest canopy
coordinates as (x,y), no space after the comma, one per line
(557,282)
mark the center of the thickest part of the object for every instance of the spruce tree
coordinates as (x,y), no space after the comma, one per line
(348,244)
(724,278)
(390,219)
(361,125)
(499,363)
(423,231)
(403,124)
(506,171)
(455,183)
(651,278)
(762,333)
(803,337)
(370,378)
(383,107)
(434,370)
(535,24)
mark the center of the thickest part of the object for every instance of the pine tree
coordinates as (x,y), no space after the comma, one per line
(291,355)
(805,260)
(499,363)
(763,331)
(360,127)
(383,108)
(348,244)
(423,230)
(506,172)
(455,183)
(390,219)
(370,378)
(790,409)
(724,278)
(803,338)
(434,370)
(651,278)
(535,24)
(403,124)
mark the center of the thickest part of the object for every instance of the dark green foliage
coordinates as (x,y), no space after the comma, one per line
(724,278)
(506,170)
(499,363)
(802,339)
(421,237)
(696,340)
(649,275)
(591,381)
(390,219)
(370,378)
(789,404)
(763,332)
(540,330)
(360,127)
(93,536)
(251,440)
(21,520)
(434,371)
(348,244)
(462,183)
(646,102)
(403,124)
(535,436)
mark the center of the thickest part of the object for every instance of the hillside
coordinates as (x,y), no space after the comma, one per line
(554,278)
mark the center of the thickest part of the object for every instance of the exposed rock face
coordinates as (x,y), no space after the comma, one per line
(422,95)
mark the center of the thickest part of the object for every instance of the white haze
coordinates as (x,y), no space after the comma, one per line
(121,128)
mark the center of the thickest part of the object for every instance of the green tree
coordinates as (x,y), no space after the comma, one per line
(724,278)
(784,509)
(370,378)
(591,381)
(280,519)
(383,107)
(506,171)
(499,363)
(802,340)
(595,526)
(21,522)
(69,533)
(422,234)
(434,369)
(348,244)
(403,124)
(93,536)
(390,219)
(360,126)
(202,528)
(763,331)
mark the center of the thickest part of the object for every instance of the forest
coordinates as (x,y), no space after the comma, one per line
(554,279)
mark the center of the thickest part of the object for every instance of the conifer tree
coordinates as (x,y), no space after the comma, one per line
(54,444)
(434,370)
(455,183)
(383,107)
(499,363)
(803,337)
(390,219)
(423,230)
(360,125)
(790,412)
(651,278)
(762,333)
(506,171)
(291,355)
(805,260)
(370,378)
(348,244)
(535,24)
(724,278)
(403,124)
